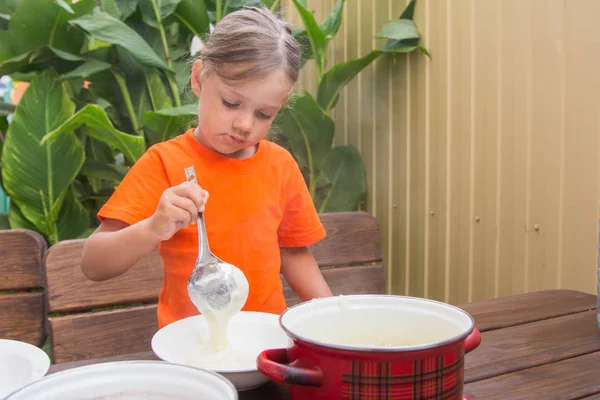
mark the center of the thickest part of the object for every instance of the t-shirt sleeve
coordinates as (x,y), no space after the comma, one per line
(300,225)
(138,194)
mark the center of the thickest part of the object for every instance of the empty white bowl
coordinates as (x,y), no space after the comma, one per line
(249,333)
(20,364)
(130,380)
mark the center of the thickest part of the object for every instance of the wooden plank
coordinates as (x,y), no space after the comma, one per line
(352,238)
(514,310)
(103,333)
(23,317)
(528,345)
(573,378)
(364,279)
(21,254)
(68,288)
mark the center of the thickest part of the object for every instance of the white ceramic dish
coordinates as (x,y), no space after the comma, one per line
(20,364)
(130,380)
(249,333)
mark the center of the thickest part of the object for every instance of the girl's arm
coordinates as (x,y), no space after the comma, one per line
(300,270)
(115,247)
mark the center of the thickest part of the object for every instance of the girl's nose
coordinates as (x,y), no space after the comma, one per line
(244,122)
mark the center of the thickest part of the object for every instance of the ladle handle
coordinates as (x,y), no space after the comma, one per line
(203,249)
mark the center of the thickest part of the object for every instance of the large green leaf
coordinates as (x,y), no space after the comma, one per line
(157,91)
(13,64)
(339,76)
(193,14)
(87,69)
(108,29)
(344,168)
(127,7)
(401,32)
(165,8)
(318,40)
(73,219)
(403,39)
(36,23)
(102,170)
(164,124)
(17,220)
(309,133)
(36,176)
(331,24)
(100,128)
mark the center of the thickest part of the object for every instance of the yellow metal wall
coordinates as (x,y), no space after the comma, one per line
(483,161)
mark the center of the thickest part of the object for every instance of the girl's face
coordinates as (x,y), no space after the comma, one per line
(233,118)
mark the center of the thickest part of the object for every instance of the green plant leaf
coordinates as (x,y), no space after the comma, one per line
(110,30)
(111,7)
(409,11)
(127,7)
(318,40)
(165,8)
(14,64)
(339,76)
(37,177)
(73,218)
(401,30)
(7,108)
(404,44)
(36,23)
(345,169)
(101,170)
(17,220)
(309,133)
(157,91)
(87,69)
(193,14)
(331,24)
(8,7)
(62,4)
(100,128)
(167,123)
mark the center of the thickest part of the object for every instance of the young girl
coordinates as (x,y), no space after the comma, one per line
(260,217)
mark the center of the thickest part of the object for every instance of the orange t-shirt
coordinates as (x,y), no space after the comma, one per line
(256,206)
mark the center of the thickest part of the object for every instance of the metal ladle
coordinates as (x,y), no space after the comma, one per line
(215,286)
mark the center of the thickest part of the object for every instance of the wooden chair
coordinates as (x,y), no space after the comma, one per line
(350,257)
(22,302)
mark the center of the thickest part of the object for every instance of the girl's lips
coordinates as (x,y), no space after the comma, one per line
(236,138)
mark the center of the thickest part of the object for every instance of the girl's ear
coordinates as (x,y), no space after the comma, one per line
(196,77)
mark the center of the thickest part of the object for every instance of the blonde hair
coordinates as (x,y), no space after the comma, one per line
(250,43)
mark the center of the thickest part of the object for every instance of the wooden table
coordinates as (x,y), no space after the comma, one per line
(542,345)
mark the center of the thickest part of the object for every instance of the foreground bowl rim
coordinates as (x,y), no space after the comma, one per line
(40,358)
(65,373)
(219,371)
(388,349)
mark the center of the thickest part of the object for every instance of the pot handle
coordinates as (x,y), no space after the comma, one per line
(473,340)
(274,363)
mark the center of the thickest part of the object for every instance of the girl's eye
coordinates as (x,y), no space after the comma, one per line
(228,104)
(262,115)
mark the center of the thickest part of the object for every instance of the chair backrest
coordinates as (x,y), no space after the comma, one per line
(84,322)
(22,302)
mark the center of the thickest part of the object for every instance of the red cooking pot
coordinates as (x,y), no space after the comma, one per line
(365,347)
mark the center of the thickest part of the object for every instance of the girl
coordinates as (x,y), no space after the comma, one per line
(261,217)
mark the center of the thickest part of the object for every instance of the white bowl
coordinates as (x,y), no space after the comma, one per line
(20,364)
(249,333)
(129,380)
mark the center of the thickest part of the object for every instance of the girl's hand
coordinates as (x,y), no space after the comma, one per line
(178,207)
